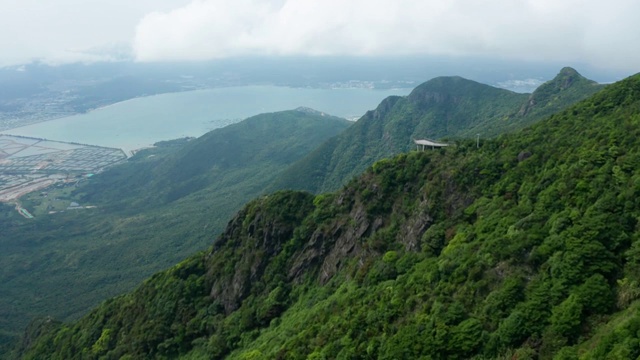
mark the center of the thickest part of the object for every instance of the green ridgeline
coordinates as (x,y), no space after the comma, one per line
(525,248)
(450,107)
(153,211)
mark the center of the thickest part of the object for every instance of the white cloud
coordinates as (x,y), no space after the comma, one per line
(54,30)
(600,33)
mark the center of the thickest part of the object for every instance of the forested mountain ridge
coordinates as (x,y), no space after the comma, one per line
(524,248)
(151,212)
(567,88)
(450,107)
(267,141)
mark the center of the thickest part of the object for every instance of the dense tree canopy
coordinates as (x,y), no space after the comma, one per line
(524,248)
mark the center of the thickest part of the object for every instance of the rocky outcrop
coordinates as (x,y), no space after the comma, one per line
(329,249)
(411,232)
(252,239)
(298,240)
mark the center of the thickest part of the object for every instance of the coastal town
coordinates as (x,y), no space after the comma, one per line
(29,164)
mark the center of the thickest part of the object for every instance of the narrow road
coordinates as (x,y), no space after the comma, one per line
(24,212)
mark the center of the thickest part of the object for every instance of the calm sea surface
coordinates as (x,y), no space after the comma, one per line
(143,121)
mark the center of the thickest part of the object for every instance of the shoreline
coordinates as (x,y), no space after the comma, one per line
(212,111)
(205,89)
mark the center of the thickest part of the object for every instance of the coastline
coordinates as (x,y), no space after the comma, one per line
(108,105)
(141,121)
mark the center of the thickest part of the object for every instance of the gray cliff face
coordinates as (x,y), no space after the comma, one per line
(330,248)
(252,239)
(301,237)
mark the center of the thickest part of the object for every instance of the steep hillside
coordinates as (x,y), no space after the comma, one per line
(249,152)
(525,248)
(442,107)
(151,212)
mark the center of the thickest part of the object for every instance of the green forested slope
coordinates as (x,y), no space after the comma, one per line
(263,143)
(442,107)
(151,212)
(525,248)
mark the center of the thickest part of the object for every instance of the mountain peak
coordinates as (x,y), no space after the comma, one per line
(565,88)
(308,110)
(449,88)
(567,77)
(568,70)
(444,81)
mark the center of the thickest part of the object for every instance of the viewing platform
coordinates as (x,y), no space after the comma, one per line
(425,143)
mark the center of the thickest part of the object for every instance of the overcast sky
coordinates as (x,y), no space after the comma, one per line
(600,33)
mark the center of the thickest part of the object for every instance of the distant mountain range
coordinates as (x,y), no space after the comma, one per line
(39,91)
(444,107)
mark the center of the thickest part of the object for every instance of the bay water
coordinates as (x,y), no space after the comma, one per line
(140,122)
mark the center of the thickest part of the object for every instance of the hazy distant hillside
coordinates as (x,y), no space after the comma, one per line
(161,206)
(248,153)
(38,91)
(524,248)
(442,107)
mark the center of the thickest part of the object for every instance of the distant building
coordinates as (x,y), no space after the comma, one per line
(424,143)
